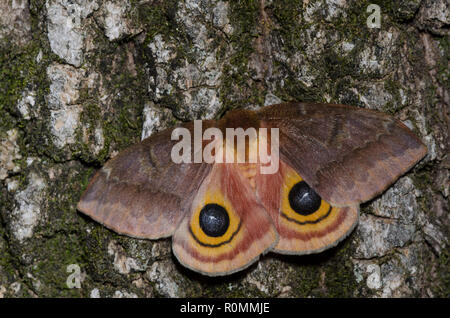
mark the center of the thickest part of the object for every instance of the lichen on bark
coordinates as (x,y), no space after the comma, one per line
(72,95)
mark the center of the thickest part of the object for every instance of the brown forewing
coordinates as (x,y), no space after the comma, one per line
(141,192)
(347,154)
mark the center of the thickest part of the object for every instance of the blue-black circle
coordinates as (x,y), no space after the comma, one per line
(303,199)
(214,220)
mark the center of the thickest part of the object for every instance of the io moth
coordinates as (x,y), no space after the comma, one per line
(223,216)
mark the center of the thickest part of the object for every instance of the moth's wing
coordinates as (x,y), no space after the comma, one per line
(347,154)
(249,234)
(302,234)
(141,192)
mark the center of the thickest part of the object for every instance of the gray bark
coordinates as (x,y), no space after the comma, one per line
(81,80)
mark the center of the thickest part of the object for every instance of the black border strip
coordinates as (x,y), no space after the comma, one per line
(215,245)
(308,222)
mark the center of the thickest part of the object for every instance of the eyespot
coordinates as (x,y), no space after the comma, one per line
(214,220)
(303,199)
(300,204)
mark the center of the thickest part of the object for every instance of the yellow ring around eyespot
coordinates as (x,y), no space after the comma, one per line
(291,179)
(217,198)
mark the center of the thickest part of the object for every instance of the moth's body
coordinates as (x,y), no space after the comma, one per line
(223,216)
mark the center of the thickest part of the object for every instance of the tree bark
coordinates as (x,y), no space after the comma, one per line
(81,80)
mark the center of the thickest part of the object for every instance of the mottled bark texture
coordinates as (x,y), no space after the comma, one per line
(81,80)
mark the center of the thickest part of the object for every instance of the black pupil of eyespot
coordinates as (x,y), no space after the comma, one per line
(214,220)
(303,199)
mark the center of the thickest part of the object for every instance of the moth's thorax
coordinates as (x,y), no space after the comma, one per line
(247,145)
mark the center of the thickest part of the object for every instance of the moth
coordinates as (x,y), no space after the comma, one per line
(223,216)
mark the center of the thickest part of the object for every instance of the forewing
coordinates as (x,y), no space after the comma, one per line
(347,154)
(141,192)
